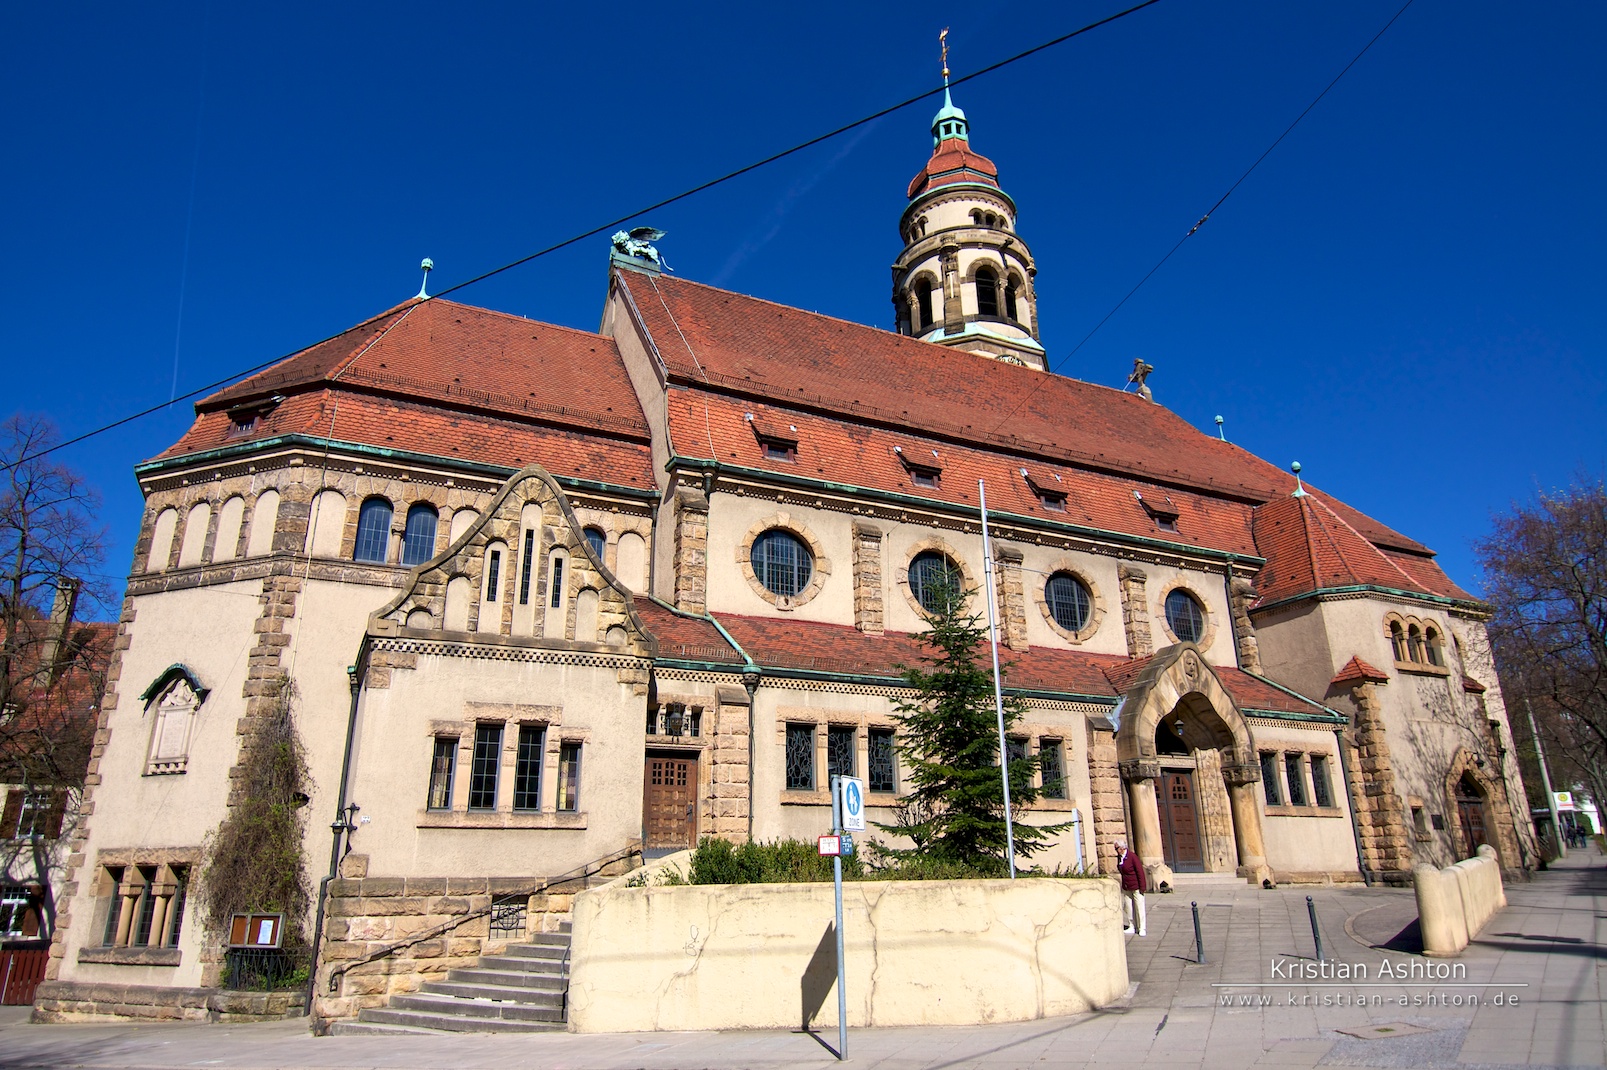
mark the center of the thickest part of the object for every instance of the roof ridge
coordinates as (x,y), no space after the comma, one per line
(499,314)
(1413,584)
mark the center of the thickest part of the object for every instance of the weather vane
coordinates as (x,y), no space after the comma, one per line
(943,39)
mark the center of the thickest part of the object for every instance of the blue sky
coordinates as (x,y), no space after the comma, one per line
(1405,297)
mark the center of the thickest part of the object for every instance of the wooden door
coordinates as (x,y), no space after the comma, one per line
(669,803)
(1470,811)
(1180,827)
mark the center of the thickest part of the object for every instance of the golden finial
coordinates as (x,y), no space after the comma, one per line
(943,39)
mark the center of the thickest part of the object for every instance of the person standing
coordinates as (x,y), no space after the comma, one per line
(1134,885)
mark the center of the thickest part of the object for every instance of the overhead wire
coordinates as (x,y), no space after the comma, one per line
(594,231)
(1061,363)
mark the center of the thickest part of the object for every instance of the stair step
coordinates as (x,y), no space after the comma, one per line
(372,1029)
(510,978)
(535,996)
(475,1008)
(549,952)
(522,963)
(454,1023)
(560,939)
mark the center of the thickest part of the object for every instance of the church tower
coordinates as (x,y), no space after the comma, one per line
(964,278)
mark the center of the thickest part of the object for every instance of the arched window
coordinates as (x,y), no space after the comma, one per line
(1184,616)
(987,292)
(935,581)
(1431,647)
(782,562)
(1010,300)
(597,541)
(1068,600)
(373,531)
(1414,644)
(418,541)
(167,522)
(1397,640)
(923,302)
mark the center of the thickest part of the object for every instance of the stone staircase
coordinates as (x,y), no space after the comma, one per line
(521,990)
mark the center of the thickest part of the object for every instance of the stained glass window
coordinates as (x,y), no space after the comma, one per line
(525,561)
(1297,780)
(840,750)
(883,761)
(800,757)
(1320,788)
(1270,778)
(1052,769)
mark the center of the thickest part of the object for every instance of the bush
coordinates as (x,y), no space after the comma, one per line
(776,862)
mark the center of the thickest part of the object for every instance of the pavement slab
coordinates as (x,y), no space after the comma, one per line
(1544,956)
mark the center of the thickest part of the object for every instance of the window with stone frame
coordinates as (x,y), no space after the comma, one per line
(675,719)
(373,531)
(443,765)
(147,905)
(800,757)
(484,766)
(1052,768)
(1321,787)
(527,767)
(840,746)
(418,538)
(882,761)
(1271,779)
(569,776)
(1295,775)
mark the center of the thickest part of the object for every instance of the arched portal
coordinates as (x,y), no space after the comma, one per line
(1189,766)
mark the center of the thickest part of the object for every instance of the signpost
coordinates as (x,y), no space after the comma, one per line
(847,813)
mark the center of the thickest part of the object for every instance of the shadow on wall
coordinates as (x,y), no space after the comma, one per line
(820,975)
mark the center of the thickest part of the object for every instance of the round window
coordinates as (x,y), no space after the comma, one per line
(1185,616)
(782,562)
(1069,601)
(936,582)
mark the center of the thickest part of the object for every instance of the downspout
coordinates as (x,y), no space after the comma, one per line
(342,825)
(1350,804)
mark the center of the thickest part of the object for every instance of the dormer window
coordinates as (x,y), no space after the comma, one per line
(1160,510)
(922,472)
(777,442)
(248,418)
(1051,492)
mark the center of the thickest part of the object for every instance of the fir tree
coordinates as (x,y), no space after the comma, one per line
(949,743)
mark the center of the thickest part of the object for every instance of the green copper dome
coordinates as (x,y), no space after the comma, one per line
(949,122)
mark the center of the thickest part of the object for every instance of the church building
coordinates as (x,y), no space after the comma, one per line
(542,599)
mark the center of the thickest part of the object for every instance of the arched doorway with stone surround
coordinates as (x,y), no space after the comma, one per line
(1189,771)
(1478,810)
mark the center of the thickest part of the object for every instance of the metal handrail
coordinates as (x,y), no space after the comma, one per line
(585,870)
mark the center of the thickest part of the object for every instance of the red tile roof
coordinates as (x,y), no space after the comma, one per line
(954,161)
(1309,547)
(1355,671)
(1472,686)
(449,380)
(684,637)
(717,341)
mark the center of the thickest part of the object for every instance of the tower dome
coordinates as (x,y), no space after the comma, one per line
(965,276)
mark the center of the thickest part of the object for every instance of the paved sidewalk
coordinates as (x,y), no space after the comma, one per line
(1548,948)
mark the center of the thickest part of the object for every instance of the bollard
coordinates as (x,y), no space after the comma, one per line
(1316,933)
(1199,944)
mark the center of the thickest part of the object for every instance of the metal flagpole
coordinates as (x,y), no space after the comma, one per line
(998,692)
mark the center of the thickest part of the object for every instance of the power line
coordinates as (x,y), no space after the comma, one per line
(594,231)
(1061,363)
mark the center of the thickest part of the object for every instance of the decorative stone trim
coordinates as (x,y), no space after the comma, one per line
(130,956)
(1012,597)
(902,577)
(1241,593)
(691,550)
(868,610)
(1183,583)
(1135,610)
(502,819)
(819,570)
(1096,601)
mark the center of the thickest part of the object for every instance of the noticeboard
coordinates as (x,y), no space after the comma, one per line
(256,930)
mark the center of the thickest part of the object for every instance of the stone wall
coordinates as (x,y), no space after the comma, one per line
(71,1001)
(917,953)
(388,935)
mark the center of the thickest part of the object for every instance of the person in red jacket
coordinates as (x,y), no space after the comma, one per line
(1134,885)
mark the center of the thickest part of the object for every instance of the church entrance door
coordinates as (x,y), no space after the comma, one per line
(669,800)
(1180,826)
(1470,813)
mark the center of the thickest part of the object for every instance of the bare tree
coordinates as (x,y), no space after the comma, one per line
(1546,571)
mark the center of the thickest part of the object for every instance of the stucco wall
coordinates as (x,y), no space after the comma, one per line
(917,953)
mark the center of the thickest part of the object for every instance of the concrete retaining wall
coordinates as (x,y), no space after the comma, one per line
(1454,903)
(918,953)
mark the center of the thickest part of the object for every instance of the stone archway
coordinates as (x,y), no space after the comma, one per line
(1467,785)
(1178,686)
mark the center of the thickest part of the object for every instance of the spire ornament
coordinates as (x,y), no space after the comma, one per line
(943,42)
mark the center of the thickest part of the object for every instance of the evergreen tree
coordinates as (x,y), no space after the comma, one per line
(949,742)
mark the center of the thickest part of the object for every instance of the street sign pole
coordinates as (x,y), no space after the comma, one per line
(837,880)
